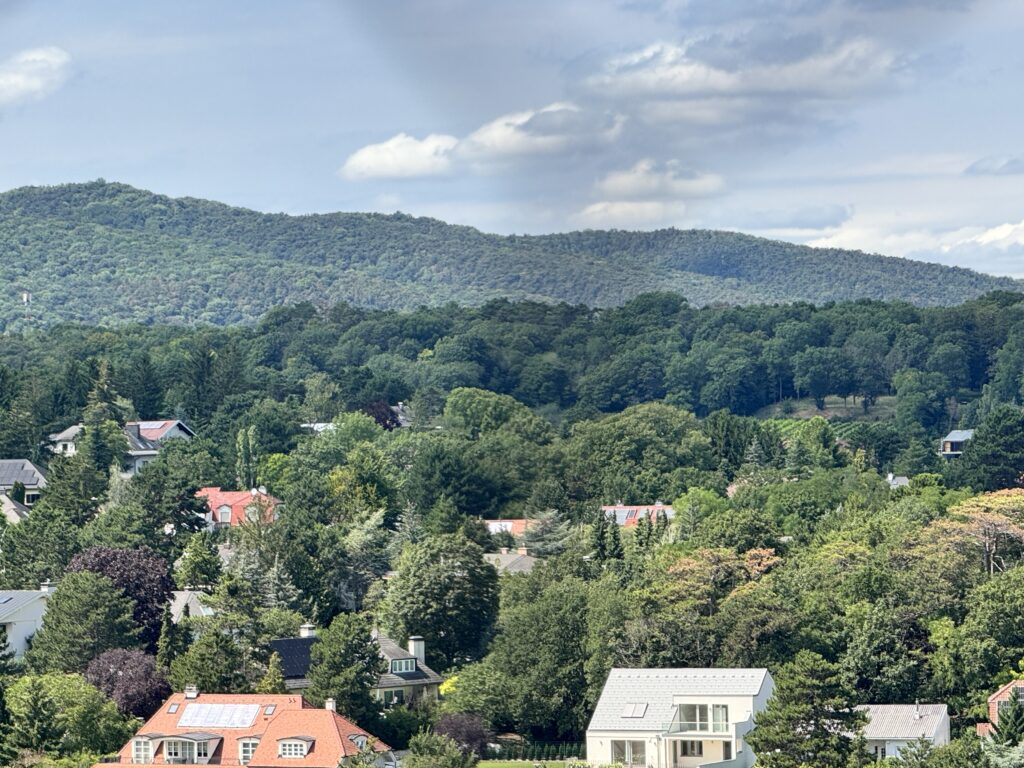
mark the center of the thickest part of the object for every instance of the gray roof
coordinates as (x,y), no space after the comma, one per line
(959,436)
(392,651)
(642,699)
(67,434)
(20,471)
(13,511)
(898,722)
(13,600)
(511,562)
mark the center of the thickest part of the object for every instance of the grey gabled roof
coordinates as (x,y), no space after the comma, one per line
(13,600)
(959,436)
(511,562)
(902,722)
(20,471)
(642,699)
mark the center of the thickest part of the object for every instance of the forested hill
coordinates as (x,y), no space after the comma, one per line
(107,253)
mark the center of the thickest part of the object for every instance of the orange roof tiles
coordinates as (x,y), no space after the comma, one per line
(238,503)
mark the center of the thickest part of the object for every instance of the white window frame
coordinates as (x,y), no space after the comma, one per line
(720,718)
(179,749)
(403,665)
(292,748)
(246,749)
(691,748)
(142,751)
(393,696)
(631,760)
(203,750)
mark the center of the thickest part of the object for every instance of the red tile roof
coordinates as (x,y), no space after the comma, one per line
(238,502)
(332,736)
(628,515)
(517,527)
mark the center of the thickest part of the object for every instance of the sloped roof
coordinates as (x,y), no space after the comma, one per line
(331,738)
(296,658)
(66,434)
(628,515)
(959,436)
(511,562)
(21,471)
(239,502)
(517,527)
(13,600)
(13,511)
(902,722)
(642,699)
(295,655)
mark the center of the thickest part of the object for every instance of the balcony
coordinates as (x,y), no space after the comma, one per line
(697,728)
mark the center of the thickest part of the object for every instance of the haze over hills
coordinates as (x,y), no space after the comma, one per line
(108,253)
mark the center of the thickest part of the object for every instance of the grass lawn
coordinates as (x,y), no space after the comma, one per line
(883,409)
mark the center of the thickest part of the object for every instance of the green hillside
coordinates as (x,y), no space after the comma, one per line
(104,253)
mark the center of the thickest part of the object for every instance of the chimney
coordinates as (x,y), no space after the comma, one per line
(191,692)
(917,709)
(133,429)
(48,587)
(307,630)
(503,550)
(418,648)
(331,705)
(263,490)
(522,551)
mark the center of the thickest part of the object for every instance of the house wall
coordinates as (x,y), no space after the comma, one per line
(412,692)
(599,746)
(23,624)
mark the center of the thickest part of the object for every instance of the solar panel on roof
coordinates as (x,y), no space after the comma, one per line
(218,715)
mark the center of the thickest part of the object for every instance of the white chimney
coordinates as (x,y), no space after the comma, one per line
(47,587)
(331,705)
(191,692)
(307,630)
(418,648)
(263,490)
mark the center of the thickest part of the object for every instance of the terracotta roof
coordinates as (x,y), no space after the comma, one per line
(628,515)
(516,527)
(239,502)
(227,719)
(156,430)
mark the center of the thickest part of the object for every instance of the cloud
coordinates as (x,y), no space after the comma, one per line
(996,165)
(32,74)
(646,180)
(554,128)
(401,157)
(632,214)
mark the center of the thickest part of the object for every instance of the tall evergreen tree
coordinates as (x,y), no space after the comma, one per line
(273,680)
(1010,730)
(38,730)
(346,663)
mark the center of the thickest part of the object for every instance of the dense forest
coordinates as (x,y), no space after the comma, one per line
(788,548)
(102,253)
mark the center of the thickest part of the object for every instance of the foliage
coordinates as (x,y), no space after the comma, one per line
(345,664)
(130,679)
(431,750)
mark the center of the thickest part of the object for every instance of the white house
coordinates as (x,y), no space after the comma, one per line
(21,615)
(677,718)
(23,471)
(891,727)
(145,438)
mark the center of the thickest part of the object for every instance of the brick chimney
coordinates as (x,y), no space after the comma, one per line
(418,648)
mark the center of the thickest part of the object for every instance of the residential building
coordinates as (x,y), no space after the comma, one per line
(23,471)
(21,615)
(258,730)
(507,560)
(897,481)
(13,511)
(996,702)
(677,718)
(230,508)
(628,515)
(953,443)
(407,678)
(891,727)
(145,439)
(189,602)
(515,527)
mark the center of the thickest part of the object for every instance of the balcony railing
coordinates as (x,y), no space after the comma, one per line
(682,726)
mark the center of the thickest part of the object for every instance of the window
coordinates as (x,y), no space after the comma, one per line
(631,753)
(392,697)
(692,749)
(727,750)
(403,665)
(202,749)
(224,514)
(291,749)
(172,709)
(179,751)
(720,718)
(269,709)
(880,753)
(694,717)
(246,748)
(142,751)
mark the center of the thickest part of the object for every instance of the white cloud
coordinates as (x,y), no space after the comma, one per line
(33,74)
(646,180)
(996,165)
(401,157)
(632,214)
(554,128)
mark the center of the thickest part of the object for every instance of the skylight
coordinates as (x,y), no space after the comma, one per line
(635,709)
(172,709)
(269,709)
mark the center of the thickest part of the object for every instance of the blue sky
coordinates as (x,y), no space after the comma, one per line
(893,126)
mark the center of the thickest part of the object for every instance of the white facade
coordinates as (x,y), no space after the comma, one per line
(677,718)
(891,727)
(21,615)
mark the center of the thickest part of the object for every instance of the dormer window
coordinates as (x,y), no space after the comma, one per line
(403,665)
(246,749)
(294,748)
(142,751)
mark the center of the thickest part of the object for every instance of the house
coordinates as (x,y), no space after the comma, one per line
(677,718)
(25,473)
(21,615)
(891,727)
(897,481)
(628,515)
(516,527)
(258,730)
(13,511)
(953,443)
(996,702)
(188,602)
(230,508)
(407,678)
(512,561)
(145,439)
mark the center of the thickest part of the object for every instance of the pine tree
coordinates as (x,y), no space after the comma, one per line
(346,663)
(613,542)
(200,566)
(38,729)
(1010,730)
(643,534)
(213,663)
(597,541)
(278,589)
(174,640)
(661,524)
(273,680)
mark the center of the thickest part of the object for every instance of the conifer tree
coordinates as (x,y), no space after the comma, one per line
(613,542)
(38,730)
(597,541)
(173,639)
(273,680)
(1010,730)
(200,566)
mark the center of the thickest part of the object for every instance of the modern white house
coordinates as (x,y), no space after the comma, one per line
(21,615)
(677,718)
(891,727)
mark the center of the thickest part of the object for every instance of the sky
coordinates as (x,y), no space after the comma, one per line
(891,126)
